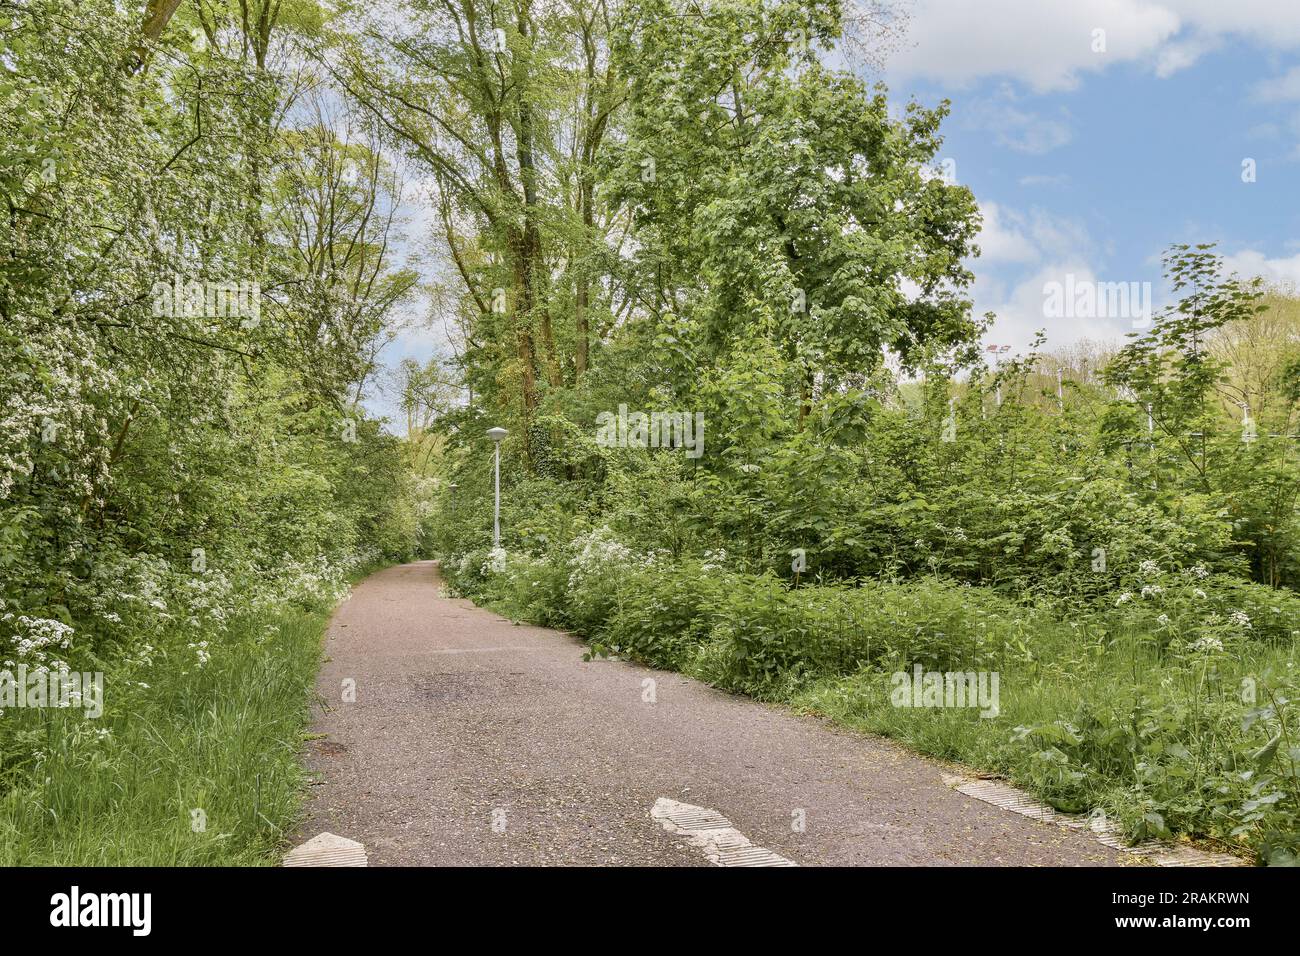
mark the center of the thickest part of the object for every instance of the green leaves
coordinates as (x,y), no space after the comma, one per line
(1264,755)
(141,426)
(786,203)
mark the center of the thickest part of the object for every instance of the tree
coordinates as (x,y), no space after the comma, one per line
(774,196)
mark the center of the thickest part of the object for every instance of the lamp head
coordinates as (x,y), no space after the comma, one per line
(496,434)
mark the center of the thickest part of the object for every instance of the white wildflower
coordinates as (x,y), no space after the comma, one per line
(496,562)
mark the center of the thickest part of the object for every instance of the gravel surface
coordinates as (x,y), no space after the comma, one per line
(473,741)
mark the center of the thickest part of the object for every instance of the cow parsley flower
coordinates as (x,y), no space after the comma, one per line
(496,562)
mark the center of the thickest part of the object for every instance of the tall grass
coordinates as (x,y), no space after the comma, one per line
(1162,745)
(188,766)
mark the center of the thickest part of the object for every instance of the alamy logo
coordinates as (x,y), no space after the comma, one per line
(1086,299)
(43,687)
(209,300)
(656,430)
(946,689)
(103,909)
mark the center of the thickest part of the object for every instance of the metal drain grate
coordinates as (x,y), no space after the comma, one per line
(1107,832)
(327,849)
(712,833)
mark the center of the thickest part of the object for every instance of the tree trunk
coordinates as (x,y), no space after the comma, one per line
(156,17)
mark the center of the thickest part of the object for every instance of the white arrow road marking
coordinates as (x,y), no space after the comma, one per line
(712,833)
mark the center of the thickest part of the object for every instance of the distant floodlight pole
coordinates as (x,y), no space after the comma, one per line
(996,351)
(496,434)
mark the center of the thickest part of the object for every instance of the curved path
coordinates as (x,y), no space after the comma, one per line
(475,741)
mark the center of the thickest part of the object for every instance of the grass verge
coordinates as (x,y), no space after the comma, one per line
(188,765)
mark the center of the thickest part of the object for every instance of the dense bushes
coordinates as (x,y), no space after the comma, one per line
(1106,571)
(776,636)
(665,611)
(1113,528)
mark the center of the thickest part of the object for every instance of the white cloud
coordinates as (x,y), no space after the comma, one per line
(1009,236)
(1249,263)
(1001,239)
(1024,310)
(1280,88)
(1180,54)
(1017,129)
(1021,305)
(1042,179)
(1048,46)
(1022,253)
(1273,23)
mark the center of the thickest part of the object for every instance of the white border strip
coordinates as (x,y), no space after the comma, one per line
(1108,833)
(712,833)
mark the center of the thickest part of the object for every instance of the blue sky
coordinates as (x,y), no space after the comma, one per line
(1088,162)
(1092,161)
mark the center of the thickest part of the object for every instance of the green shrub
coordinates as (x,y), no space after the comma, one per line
(598,566)
(532,589)
(666,611)
(776,635)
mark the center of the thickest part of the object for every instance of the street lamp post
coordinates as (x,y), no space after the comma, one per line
(496,434)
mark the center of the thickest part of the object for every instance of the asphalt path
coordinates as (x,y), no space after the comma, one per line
(474,741)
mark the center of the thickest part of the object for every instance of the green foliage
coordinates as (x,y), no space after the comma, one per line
(650,205)
(666,611)
(777,638)
(179,471)
(805,205)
